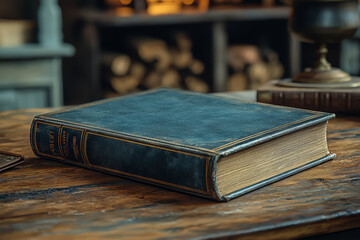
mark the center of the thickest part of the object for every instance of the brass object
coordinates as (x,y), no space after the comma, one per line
(323,21)
(354,82)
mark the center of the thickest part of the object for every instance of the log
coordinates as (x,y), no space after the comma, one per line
(163,60)
(171,78)
(241,55)
(183,42)
(124,84)
(237,82)
(196,84)
(119,64)
(152,80)
(149,49)
(138,70)
(257,74)
(275,68)
(181,59)
(154,50)
(197,67)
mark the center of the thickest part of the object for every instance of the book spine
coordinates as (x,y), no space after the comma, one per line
(131,158)
(323,101)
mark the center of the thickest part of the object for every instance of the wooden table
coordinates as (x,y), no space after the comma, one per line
(43,199)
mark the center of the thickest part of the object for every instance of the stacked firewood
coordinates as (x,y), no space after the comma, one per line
(155,63)
(250,68)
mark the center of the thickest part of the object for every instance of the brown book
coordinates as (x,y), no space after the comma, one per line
(345,100)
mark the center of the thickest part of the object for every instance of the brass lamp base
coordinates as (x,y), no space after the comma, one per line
(353,83)
(333,75)
(322,76)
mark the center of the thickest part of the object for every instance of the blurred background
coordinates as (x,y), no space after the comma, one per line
(75,51)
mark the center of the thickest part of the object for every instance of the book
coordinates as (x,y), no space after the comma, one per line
(206,145)
(9,160)
(346,100)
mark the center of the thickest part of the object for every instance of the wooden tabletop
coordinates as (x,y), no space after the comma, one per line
(43,199)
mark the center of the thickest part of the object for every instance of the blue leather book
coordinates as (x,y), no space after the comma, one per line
(196,143)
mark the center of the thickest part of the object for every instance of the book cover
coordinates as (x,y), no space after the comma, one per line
(201,144)
(328,100)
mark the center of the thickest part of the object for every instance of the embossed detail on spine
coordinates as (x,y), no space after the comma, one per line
(52,141)
(46,139)
(63,142)
(71,144)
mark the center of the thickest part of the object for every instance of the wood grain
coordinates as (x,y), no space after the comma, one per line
(43,199)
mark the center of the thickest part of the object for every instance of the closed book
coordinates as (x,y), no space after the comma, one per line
(206,145)
(346,100)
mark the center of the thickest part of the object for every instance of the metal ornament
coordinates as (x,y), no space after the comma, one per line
(323,21)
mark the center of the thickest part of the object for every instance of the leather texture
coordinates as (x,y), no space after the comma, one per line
(168,137)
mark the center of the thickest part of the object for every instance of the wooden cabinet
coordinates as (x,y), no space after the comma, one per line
(213,31)
(30,74)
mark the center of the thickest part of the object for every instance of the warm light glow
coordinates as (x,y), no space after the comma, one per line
(123,11)
(116,3)
(188,2)
(163,7)
(125,2)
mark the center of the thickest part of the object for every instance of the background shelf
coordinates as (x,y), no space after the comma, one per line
(27,51)
(211,33)
(214,15)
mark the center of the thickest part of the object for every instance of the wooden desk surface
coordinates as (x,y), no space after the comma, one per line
(49,200)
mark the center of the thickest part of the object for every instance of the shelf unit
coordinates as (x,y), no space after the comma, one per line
(254,13)
(217,20)
(31,74)
(28,51)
